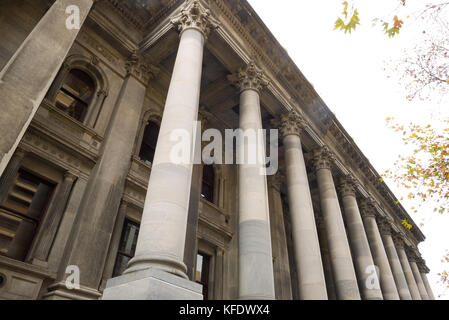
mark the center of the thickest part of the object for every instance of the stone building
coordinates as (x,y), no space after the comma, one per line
(85,117)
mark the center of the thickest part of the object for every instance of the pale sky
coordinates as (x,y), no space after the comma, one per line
(348,72)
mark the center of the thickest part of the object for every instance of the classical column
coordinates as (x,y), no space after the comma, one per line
(53,218)
(10,172)
(340,254)
(395,263)
(281,266)
(311,281)
(158,269)
(413,258)
(389,290)
(27,76)
(256,279)
(359,242)
(424,271)
(412,286)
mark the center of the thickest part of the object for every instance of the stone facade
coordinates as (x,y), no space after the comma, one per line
(85,182)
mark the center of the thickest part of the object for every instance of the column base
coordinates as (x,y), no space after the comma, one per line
(151,284)
(59,291)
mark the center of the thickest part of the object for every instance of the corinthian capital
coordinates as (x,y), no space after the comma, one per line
(398,240)
(347,185)
(367,208)
(290,124)
(323,158)
(249,78)
(136,67)
(385,226)
(195,16)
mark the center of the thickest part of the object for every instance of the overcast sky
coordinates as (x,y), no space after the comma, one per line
(348,72)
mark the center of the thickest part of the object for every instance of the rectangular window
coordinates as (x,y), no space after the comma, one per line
(21,211)
(127,247)
(202,272)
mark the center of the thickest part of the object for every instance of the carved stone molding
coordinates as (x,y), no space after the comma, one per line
(323,158)
(250,77)
(411,254)
(367,208)
(142,71)
(347,186)
(422,266)
(290,124)
(195,16)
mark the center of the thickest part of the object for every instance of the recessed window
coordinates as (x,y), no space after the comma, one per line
(76,94)
(21,211)
(149,142)
(202,273)
(207,190)
(127,247)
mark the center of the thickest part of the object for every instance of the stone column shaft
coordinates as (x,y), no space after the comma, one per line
(161,241)
(256,279)
(359,242)
(418,279)
(27,76)
(380,258)
(395,263)
(340,254)
(311,280)
(427,285)
(411,282)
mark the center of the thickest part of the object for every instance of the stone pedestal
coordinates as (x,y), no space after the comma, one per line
(152,284)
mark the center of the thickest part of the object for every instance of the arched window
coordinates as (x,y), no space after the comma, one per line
(149,141)
(207,191)
(75,94)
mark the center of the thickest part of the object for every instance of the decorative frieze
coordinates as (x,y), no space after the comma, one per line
(195,16)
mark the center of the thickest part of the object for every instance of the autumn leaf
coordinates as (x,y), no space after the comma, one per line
(397,23)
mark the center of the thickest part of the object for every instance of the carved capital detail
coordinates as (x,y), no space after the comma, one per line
(347,186)
(250,77)
(367,208)
(411,254)
(323,158)
(290,124)
(398,240)
(142,71)
(422,266)
(385,227)
(195,16)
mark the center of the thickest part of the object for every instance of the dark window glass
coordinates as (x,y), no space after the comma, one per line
(202,272)
(127,247)
(149,141)
(21,211)
(207,191)
(76,94)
